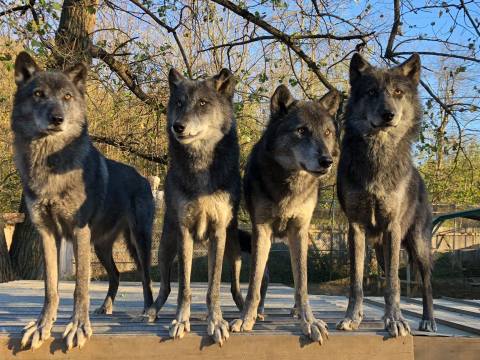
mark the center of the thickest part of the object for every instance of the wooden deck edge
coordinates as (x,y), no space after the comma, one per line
(437,348)
(249,346)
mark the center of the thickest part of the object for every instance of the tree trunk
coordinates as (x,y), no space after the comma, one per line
(26,252)
(6,270)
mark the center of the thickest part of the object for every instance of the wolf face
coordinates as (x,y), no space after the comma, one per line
(383,100)
(301,135)
(48,103)
(200,111)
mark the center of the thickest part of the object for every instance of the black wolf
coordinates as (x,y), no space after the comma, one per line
(281,185)
(379,189)
(73,192)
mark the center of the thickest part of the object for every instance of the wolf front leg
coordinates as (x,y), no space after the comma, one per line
(38,331)
(181,324)
(395,324)
(261,242)
(217,327)
(315,329)
(356,250)
(79,330)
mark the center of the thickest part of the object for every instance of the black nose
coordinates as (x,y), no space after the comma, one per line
(325,161)
(388,116)
(178,128)
(56,119)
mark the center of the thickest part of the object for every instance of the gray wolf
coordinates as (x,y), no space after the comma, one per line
(379,189)
(281,184)
(73,192)
(202,193)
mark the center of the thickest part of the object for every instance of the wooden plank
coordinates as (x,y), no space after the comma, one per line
(431,348)
(239,346)
(438,306)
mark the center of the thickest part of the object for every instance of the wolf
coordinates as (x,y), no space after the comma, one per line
(202,192)
(281,182)
(380,190)
(72,191)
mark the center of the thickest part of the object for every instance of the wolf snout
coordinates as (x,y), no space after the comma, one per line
(56,119)
(325,161)
(178,128)
(388,117)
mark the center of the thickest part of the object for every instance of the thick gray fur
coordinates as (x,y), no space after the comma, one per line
(72,191)
(281,186)
(202,194)
(381,192)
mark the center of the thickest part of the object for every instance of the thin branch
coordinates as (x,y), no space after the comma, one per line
(475,26)
(123,71)
(163,160)
(433,53)
(170,30)
(395,28)
(286,39)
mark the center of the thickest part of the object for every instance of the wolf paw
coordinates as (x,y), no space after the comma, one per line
(77,332)
(105,309)
(397,326)
(295,312)
(178,329)
(150,314)
(261,316)
(316,330)
(428,325)
(36,332)
(241,325)
(349,324)
(218,330)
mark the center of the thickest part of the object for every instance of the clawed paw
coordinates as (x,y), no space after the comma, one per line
(349,324)
(241,325)
(428,325)
(316,330)
(218,330)
(77,332)
(178,329)
(397,326)
(35,333)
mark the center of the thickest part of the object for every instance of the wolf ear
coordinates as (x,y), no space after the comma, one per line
(281,100)
(25,68)
(225,82)
(174,78)
(78,75)
(358,66)
(330,102)
(411,68)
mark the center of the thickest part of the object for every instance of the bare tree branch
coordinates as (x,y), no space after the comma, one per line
(433,53)
(475,26)
(163,160)
(395,29)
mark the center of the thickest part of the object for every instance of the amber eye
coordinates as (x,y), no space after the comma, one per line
(301,130)
(38,93)
(202,102)
(179,103)
(68,97)
(327,132)
(398,92)
(372,92)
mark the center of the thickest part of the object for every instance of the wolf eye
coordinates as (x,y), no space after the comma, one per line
(38,93)
(398,92)
(301,130)
(327,132)
(179,103)
(67,96)
(202,102)
(372,92)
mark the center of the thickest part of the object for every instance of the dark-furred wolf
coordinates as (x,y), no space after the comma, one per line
(73,192)
(379,189)
(202,193)
(281,186)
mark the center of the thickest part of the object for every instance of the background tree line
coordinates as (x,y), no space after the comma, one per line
(306,44)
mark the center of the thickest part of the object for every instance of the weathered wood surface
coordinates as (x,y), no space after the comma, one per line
(125,334)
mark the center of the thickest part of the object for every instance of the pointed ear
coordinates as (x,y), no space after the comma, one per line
(25,68)
(281,100)
(78,75)
(330,102)
(225,83)
(411,68)
(358,67)
(174,78)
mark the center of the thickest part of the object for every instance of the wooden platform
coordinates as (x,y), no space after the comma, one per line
(124,335)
